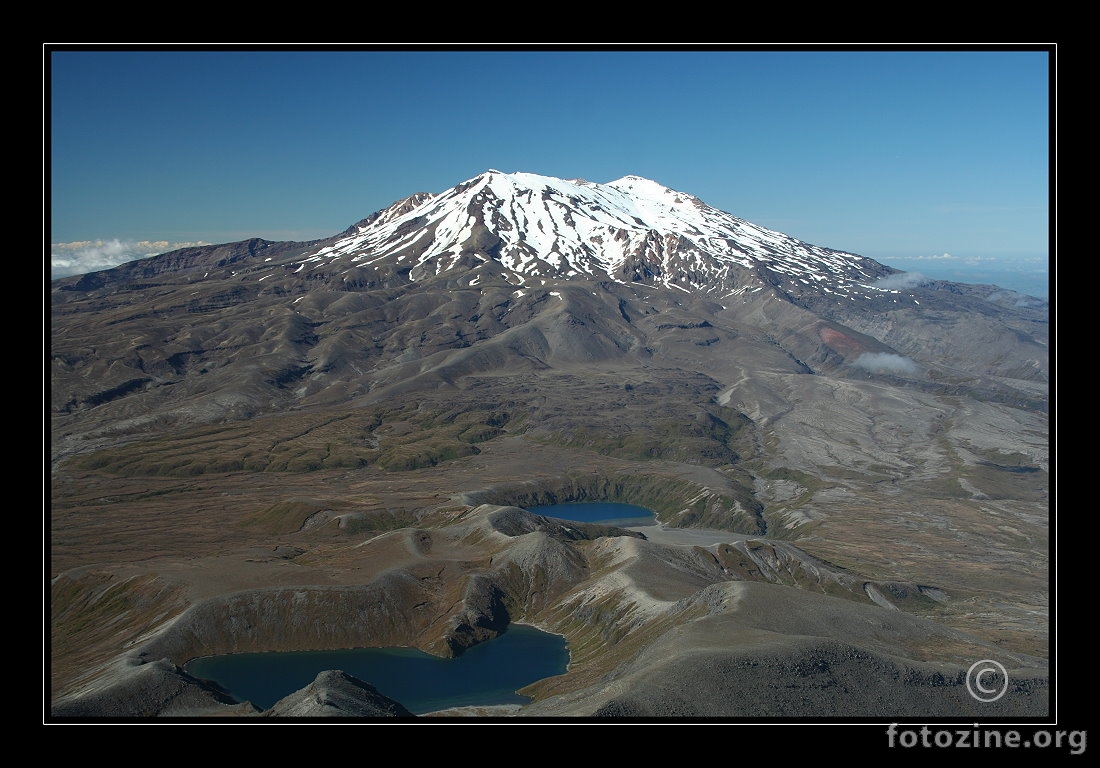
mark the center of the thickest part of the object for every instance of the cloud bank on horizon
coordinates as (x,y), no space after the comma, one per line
(1030,276)
(81,257)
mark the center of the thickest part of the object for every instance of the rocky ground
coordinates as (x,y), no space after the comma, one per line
(246,466)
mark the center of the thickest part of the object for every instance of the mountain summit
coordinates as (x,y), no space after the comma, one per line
(629,230)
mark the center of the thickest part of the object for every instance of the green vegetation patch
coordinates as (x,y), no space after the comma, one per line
(427,452)
(285,516)
(391,438)
(712,435)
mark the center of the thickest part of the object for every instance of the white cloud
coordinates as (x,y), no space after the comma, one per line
(935,257)
(83,256)
(884,362)
(901,281)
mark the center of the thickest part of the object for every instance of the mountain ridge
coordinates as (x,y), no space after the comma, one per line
(628,230)
(610,210)
(661,248)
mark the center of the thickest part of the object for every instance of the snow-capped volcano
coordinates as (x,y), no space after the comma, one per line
(628,230)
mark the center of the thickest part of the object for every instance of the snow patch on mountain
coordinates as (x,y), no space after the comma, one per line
(630,230)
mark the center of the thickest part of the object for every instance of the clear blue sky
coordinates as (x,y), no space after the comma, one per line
(898,155)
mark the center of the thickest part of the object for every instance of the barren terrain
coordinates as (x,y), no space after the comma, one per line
(243,463)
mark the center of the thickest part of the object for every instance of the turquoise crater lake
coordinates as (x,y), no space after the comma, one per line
(487,674)
(608,513)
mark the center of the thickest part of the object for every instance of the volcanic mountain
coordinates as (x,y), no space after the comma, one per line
(379,402)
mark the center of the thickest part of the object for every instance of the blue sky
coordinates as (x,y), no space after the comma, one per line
(937,161)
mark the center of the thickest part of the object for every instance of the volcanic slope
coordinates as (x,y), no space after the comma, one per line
(238,423)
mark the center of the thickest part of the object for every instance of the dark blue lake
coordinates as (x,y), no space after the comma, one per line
(486,674)
(608,513)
